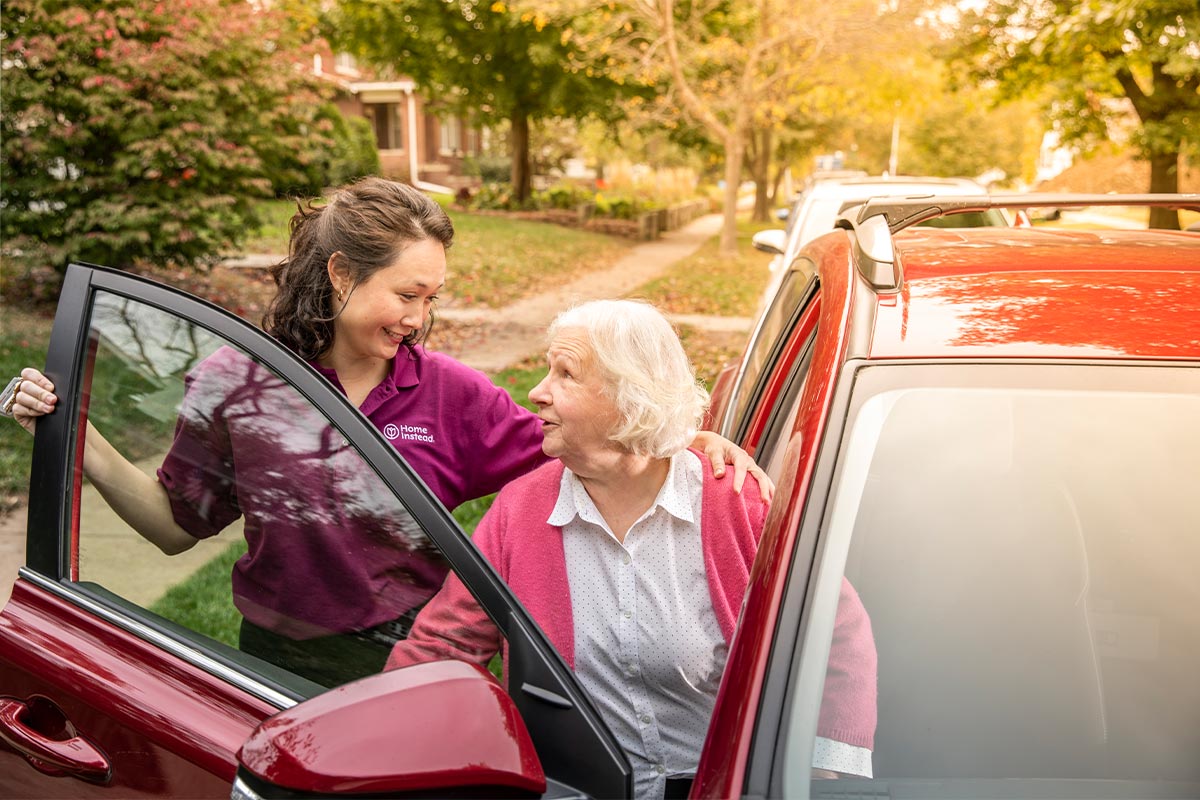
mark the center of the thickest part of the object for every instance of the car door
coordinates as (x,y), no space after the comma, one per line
(120,668)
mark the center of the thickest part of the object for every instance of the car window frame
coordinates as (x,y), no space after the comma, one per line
(563,722)
(779,420)
(763,417)
(737,422)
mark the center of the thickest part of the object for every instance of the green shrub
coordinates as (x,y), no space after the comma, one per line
(622,207)
(354,153)
(563,196)
(489,169)
(494,197)
(143,131)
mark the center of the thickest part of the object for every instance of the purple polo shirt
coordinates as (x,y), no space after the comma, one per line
(460,432)
(330,549)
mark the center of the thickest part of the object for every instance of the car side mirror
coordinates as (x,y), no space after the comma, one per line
(772,240)
(426,728)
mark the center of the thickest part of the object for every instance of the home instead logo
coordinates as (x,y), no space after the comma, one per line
(415,433)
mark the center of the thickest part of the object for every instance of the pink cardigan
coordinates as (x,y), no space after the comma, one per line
(528,554)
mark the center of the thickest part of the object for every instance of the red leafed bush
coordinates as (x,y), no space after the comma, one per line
(142,132)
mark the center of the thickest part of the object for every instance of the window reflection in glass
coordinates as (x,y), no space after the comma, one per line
(1027,561)
(317,565)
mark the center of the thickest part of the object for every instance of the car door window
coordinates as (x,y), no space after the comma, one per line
(303,558)
(1024,557)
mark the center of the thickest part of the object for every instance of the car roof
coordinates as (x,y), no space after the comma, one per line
(1021,292)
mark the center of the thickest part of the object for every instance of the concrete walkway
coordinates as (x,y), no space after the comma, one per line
(500,338)
(513,333)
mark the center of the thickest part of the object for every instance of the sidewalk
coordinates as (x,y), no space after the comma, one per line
(503,337)
(513,333)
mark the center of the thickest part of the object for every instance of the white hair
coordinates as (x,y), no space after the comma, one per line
(646,373)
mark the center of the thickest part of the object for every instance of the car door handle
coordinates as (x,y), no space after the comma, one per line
(73,756)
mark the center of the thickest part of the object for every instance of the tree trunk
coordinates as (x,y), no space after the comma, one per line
(776,182)
(734,150)
(1164,177)
(761,173)
(521,183)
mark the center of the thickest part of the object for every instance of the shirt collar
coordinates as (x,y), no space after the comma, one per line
(573,501)
(403,374)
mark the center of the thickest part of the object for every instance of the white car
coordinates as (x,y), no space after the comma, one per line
(817,208)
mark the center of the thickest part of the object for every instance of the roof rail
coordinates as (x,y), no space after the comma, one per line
(875,221)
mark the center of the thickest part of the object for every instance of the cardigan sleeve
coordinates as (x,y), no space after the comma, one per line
(453,626)
(730,528)
(848,704)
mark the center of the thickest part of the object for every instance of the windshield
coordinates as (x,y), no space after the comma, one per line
(1027,559)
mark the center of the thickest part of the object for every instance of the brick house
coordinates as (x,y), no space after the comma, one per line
(412,138)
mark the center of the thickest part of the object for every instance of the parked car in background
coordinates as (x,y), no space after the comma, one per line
(813,178)
(818,206)
(990,434)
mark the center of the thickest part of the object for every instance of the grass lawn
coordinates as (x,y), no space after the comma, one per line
(709,283)
(494,260)
(203,602)
(272,234)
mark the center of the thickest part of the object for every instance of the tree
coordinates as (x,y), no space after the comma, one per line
(137,130)
(968,139)
(1083,57)
(481,59)
(726,64)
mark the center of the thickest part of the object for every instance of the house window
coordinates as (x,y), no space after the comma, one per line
(388,121)
(345,64)
(472,144)
(451,136)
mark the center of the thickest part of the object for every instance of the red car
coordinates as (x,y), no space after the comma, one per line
(993,435)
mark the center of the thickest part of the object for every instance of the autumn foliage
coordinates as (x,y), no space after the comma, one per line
(143,131)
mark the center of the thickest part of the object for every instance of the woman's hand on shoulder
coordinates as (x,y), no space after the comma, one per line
(34,398)
(720,451)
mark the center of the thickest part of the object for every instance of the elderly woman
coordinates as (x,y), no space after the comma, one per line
(631,557)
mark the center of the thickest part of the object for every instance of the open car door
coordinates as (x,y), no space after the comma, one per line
(120,667)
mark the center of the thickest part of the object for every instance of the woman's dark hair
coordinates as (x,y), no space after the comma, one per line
(370,223)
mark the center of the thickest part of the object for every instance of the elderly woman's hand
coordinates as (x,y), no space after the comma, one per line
(34,398)
(720,451)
